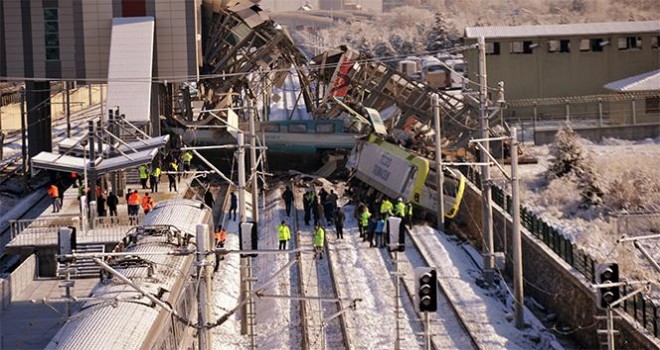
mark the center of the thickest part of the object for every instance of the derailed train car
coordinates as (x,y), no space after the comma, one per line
(120,317)
(396,172)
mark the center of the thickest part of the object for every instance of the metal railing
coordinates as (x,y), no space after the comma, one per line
(43,231)
(642,308)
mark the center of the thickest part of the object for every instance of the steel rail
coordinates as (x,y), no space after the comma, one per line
(458,315)
(342,316)
(305,341)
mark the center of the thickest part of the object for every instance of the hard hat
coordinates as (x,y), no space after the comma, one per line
(400,199)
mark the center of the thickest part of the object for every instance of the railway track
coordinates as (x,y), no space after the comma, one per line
(322,326)
(456,329)
(12,166)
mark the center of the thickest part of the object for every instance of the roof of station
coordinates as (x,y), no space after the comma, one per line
(648,81)
(551,30)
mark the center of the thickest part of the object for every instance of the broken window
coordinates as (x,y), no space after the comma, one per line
(522,47)
(493,48)
(652,105)
(630,43)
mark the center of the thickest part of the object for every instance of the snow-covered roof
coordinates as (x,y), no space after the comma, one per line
(549,30)
(648,81)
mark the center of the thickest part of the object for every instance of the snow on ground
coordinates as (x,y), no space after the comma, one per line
(364,273)
(487,313)
(594,230)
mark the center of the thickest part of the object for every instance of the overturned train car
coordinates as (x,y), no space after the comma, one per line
(397,172)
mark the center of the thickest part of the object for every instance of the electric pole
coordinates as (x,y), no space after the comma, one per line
(487,215)
(439,178)
(26,179)
(204,290)
(68,109)
(518,293)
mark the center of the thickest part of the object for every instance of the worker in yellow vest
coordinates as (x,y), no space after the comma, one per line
(284,234)
(144,175)
(171,175)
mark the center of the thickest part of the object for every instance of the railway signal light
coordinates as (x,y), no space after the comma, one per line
(247,231)
(606,274)
(396,231)
(427,285)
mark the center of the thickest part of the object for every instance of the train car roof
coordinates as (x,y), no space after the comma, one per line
(185,214)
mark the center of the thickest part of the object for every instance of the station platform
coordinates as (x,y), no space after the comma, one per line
(40,233)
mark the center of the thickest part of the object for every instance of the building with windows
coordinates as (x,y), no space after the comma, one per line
(547,62)
(53,40)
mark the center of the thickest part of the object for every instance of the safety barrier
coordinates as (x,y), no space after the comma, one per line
(15,283)
(43,231)
(642,309)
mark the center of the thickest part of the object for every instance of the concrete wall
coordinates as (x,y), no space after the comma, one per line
(596,134)
(548,279)
(15,283)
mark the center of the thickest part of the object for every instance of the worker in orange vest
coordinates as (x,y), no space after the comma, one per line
(133,205)
(54,194)
(147,203)
(220,238)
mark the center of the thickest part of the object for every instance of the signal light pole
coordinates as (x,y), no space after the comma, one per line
(427,284)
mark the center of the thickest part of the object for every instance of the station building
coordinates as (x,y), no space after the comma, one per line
(547,63)
(52,40)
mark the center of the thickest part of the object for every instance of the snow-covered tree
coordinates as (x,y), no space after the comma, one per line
(569,157)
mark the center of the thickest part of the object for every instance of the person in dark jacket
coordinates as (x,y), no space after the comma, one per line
(308,202)
(208,198)
(233,205)
(339,222)
(288,199)
(100,205)
(112,203)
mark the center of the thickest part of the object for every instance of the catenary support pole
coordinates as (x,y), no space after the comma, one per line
(204,289)
(253,163)
(240,155)
(487,215)
(439,175)
(24,153)
(518,296)
(68,109)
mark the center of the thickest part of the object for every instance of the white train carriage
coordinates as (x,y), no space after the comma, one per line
(122,318)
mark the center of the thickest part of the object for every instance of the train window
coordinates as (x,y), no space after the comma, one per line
(553,45)
(585,45)
(298,127)
(655,41)
(597,45)
(564,46)
(325,128)
(271,127)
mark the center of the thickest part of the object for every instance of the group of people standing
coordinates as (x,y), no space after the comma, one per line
(372,227)
(151,174)
(322,208)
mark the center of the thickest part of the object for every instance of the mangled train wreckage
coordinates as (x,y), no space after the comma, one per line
(248,56)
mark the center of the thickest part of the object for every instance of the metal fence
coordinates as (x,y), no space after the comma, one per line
(643,309)
(43,231)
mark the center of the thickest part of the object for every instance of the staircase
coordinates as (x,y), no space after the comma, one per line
(83,268)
